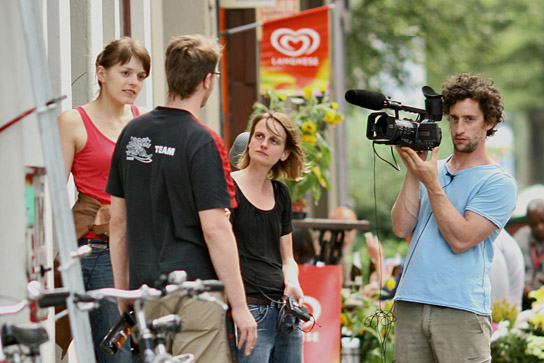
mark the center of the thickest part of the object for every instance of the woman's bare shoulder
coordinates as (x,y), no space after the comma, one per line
(72,128)
(70,117)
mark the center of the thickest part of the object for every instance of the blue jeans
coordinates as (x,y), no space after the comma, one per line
(271,347)
(97,273)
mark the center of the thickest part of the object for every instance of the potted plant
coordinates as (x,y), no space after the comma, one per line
(313,112)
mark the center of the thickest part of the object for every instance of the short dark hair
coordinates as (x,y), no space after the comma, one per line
(120,51)
(463,86)
(189,58)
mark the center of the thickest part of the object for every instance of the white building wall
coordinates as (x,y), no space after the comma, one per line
(75,31)
(19,146)
(172,18)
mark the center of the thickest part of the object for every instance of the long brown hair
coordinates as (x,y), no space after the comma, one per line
(291,168)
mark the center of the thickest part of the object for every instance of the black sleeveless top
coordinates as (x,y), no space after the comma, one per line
(258,235)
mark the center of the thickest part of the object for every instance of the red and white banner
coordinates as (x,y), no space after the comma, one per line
(321,286)
(295,52)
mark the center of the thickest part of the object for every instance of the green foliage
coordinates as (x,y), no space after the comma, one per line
(313,113)
(371,321)
(510,348)
(386,35)
(504,311)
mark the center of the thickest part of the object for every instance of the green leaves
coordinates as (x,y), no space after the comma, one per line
(313,112)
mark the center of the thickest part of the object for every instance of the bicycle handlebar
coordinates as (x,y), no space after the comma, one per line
(57,297)
(191,288)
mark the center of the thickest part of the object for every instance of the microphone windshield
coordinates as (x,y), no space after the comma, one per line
(366,99)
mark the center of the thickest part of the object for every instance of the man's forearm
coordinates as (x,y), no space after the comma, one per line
(118,243)
(224,256)
(290,272)
(405,211)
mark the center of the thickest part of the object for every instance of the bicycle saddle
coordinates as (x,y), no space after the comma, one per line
(30,335)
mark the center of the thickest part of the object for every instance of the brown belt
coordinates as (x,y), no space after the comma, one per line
(96,243)
(261,301)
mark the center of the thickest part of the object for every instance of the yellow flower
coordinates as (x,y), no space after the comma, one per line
(389,305)
(309,127)
(329,117)
(390,284)
(538,295)
(339,118)
(344,320)
(282,97)
(309,139)
(537,320)
(334,105)
(319,176)
(307,92)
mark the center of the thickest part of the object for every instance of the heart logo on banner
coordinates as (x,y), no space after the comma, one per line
(295,43)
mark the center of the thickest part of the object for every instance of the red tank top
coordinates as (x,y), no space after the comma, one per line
(91,165)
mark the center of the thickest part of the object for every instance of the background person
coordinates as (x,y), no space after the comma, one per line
(262,223)
(303,246)
(88,136)
(531,241)
(373,246)
(170,184)
(453,209)
(507,273)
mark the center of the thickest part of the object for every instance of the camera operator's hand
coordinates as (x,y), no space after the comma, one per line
(293,290)
(424,170)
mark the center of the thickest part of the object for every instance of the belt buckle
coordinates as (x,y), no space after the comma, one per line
(103,245)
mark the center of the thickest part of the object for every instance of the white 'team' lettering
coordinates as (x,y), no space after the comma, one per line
(166,150)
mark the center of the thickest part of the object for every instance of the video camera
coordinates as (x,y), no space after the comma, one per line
(419,134)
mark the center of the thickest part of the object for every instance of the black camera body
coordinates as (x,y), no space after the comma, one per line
(419,134)
(388,130)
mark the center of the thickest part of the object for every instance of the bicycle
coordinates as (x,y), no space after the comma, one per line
(21,342)
(151,335)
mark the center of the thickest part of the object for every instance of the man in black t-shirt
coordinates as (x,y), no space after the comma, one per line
(170,184)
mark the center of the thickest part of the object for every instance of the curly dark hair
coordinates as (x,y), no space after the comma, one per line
(458,88)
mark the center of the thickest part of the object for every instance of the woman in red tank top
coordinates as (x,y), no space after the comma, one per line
(88,136)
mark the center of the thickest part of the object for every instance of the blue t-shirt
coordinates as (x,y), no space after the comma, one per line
(433,274)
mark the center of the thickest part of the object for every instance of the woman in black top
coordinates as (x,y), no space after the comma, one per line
(263,229)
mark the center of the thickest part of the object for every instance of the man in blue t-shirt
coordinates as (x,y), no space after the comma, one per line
(453,209)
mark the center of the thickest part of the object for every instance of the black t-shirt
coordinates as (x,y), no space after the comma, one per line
(168,166)
(258,235)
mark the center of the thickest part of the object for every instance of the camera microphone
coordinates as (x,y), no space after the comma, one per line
(371,100)
(366,99)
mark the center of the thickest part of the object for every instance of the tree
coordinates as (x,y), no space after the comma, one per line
(388,37)
(495,38)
